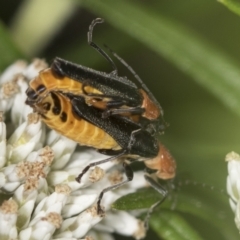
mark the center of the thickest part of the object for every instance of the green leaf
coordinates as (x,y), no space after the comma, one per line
(9,52)
(206,204)
(171,226)
(167,224)
(206,64)
(233,5)
(144,198)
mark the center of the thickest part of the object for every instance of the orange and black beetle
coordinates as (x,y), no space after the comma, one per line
(98,109)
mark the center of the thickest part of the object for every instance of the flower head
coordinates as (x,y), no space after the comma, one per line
(38,167)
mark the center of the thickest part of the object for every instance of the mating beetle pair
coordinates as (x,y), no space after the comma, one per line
(122,119)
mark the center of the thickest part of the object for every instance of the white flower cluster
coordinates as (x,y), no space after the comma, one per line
(37,176)
(233,184)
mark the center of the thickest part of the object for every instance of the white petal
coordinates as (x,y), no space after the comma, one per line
(69,177)
(2,180)
(42,228)
(10,187)
(34,68)
(23,141)
(77,204)
(3,131)
(2,153)
(57,177)
(17,134)
(53,203)
(3,146)
(87,156)
(80,225)
(25,234)
(233,205)
(18,111)
(18,153)
(12,70)
(8,218)
(237,216)
(125,224)
(233,179)
(63,148)
(25,213)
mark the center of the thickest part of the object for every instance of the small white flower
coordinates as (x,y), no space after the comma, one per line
(78,202)
(16,68)
(3,141)
(62,148)
(233,184)
(8,219)
(78,226)
(13,84)
(54,202)
(26,196)
(123,223)
(237,215)
(19,110)
(25,139)
(34,68)
(36,164)
(7,92)
(42,228)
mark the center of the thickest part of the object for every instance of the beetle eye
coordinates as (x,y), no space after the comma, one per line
(31,94)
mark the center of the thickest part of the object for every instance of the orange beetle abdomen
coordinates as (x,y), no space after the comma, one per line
(56,112)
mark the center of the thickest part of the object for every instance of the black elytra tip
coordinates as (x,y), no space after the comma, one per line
(56,68)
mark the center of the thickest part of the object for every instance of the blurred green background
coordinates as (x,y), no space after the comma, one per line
(188,54)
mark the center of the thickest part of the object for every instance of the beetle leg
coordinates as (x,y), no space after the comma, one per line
(78,178)
(105,100)
(97,48)
(119,111)
(160,189)
(133,139)
(129,173)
